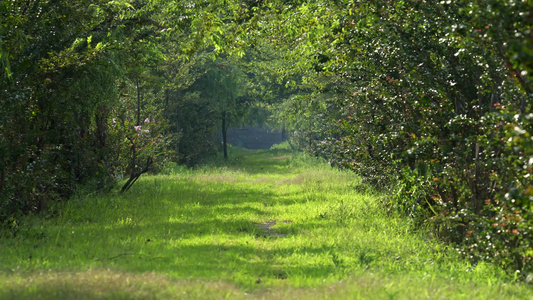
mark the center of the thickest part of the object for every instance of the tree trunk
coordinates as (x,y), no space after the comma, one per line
(134,175)
(225,135)
(284,136)
(138,102)
(101,127)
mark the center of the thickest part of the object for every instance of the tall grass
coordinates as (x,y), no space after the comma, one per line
(266,224)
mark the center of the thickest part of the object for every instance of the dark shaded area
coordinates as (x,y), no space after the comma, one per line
(254,137)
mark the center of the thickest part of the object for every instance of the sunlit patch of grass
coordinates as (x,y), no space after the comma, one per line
(254,226)
(226,178)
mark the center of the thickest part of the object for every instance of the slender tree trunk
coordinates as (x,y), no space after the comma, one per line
(134,175)
(101,126)
(178,131)
(136,172)
(138,85)
(224,135)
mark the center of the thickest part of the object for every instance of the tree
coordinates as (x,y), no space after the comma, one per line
(223,84)
(58,75)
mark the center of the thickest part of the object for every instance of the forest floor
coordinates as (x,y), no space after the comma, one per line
(265,225)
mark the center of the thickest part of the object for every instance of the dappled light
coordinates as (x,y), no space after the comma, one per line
(179,233)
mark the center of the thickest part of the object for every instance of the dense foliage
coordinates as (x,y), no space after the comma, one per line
(83,92)
(57,90)
(435,101)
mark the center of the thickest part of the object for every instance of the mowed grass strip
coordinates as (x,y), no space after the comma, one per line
(267,224)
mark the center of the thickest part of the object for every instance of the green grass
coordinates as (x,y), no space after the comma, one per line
(265,225)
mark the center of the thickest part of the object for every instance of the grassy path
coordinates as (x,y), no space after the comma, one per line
(268,225)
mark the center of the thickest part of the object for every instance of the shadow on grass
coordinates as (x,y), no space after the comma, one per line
(183,228)
(273,161)
(213,261)
(206,231)
(108,284)
(205,249)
